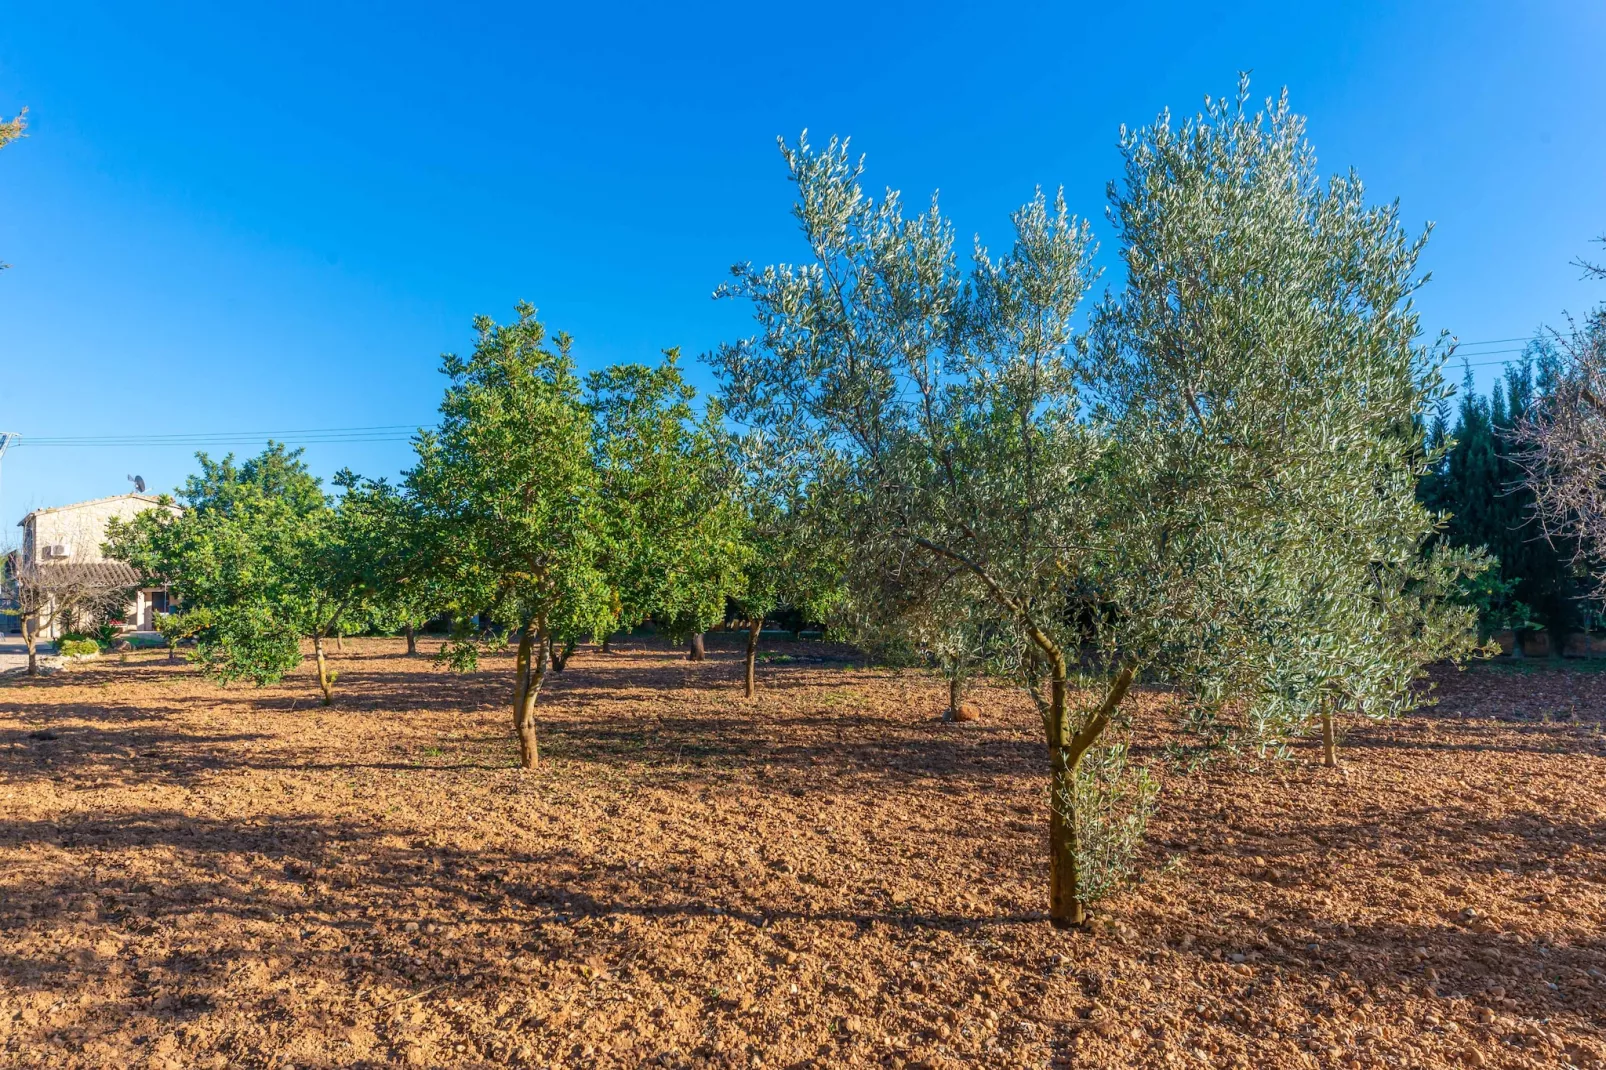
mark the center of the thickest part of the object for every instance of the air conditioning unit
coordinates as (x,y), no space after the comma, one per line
(57,550)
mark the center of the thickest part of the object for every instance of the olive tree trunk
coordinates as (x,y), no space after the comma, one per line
(1066,906)
(412,638)
(694,648)
(531,671)
(1329,738)
(750,675)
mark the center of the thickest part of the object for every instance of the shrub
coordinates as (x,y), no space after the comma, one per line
(1110,812)
(78,648)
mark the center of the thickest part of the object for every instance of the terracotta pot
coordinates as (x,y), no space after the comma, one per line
(1536,644)
(1507,640)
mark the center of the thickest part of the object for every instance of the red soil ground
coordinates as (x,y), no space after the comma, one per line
(828,876)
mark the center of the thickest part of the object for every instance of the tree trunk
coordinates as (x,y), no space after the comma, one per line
(560,661)
(412,639)
(1066,909)
(172,652)
(30,639)
(1329,741)
(531,670)
(695,650)
(326,682)
(956,694)
(750,679)
(340,642)
(607,644)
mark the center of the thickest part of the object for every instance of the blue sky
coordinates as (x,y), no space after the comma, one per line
(278,219)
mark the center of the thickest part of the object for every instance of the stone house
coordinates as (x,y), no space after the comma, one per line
(65,542)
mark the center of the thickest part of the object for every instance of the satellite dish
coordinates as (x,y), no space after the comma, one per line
(139,484)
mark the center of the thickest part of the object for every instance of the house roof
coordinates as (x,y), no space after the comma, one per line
(151,498)
(107,575)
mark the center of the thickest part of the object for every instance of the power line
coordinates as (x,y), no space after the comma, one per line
(1492,341)
(309,436)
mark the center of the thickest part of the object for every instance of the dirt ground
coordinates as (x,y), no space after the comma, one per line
(828,876)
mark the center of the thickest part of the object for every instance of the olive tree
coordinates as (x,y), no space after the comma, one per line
(510,493)
(11,129)
(1103,497)
(1265,366)
(945,405)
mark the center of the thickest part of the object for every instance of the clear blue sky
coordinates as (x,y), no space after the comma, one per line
(279,219)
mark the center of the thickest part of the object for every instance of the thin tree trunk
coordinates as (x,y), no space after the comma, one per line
(1329,740)
(172,653)
(695,650)
(560,661)
(1066,909)
(412,639)
(607,644)
(521,675)
(956,694)
(750,679)
(30,639)
(340,642)
(531,663)
(326,682)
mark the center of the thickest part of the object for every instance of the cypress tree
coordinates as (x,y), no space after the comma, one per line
(1480,484)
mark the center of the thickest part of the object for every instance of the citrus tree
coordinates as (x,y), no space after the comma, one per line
(509,491)
(260,559)
(792,558)
(673,526)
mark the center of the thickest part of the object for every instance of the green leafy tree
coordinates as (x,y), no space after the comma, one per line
(674,548)
(510,492)
(793,559)
(944,409)
(179,626)
(261,558)
(404,589)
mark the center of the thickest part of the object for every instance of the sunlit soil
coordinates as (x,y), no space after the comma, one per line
(826,876)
